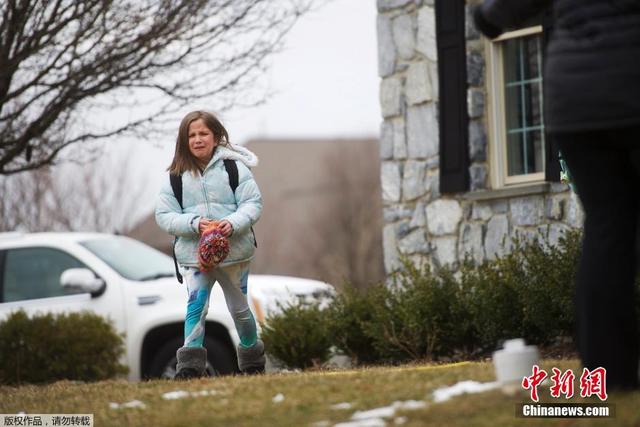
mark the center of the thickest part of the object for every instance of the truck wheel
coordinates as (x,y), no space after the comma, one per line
(220,360)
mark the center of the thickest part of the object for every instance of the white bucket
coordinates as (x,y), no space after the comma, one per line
(514,362)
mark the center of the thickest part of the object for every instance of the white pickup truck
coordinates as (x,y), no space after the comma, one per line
(135,287)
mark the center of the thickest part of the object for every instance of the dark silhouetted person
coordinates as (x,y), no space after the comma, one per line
(592,110)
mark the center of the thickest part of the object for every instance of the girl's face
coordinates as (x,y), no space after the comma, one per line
(201,141)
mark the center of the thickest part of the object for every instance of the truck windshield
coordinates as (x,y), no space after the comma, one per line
(132,259)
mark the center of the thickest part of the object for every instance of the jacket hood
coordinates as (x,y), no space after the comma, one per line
(235,152)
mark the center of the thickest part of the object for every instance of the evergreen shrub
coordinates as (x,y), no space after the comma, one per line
(348,315)
(47,347)
(419,317)
(298,336)
(526,293)
(432,314)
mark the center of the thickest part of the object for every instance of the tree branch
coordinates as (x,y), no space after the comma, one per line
(56,56)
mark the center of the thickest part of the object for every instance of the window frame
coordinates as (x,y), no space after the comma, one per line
(496,119)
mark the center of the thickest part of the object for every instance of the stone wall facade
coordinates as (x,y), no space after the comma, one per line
(419,222)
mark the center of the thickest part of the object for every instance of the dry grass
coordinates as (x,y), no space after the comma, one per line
(308,397)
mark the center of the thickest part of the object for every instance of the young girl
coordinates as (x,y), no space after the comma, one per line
(201,148)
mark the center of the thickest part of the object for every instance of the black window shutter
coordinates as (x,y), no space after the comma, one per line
(552,161)
(453,119)
(3,256)
(551,150)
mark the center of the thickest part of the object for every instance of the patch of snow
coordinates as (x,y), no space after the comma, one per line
(128,405)
(204,393)
(134,404)
(445,393)
(400,420)
(287,371)
(410,405)
(375,417)
(389,411)
(384,412)
(340,406)
(173,395)
(278,398)
(181,394)
(370,422)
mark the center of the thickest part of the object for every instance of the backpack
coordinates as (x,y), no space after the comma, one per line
(176,186)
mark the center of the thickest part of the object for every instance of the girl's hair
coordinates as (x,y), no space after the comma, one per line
(183,160)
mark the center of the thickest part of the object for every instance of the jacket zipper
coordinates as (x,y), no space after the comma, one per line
(204,193)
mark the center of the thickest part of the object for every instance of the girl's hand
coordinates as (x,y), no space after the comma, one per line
(226,228)
(204,224)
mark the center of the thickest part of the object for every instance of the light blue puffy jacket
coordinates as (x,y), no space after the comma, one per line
(209,196)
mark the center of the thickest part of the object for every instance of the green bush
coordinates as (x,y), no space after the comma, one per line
(526,293)
(491,298)
(427,314)
(45,348)
(419,317)
(548,295)
(298,336)
(349,313)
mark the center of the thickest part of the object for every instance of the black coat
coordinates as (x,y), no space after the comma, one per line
(592,61)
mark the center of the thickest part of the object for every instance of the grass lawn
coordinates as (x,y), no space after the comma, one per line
(307,399)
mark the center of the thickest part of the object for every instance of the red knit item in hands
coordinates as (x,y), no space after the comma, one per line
(213,247)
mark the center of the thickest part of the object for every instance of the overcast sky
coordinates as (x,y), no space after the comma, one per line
(324,84)
(325,81)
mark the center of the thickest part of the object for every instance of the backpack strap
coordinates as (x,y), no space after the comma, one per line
(176,186)
(232,171)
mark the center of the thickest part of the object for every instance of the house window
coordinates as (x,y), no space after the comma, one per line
(516,125)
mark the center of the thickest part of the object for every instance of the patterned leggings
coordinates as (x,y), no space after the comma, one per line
(233,280)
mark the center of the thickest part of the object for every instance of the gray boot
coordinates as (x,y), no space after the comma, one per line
(251,360)
(192,362)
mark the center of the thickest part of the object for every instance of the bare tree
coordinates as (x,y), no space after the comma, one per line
(63,62)
(72,198)
(27,202)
